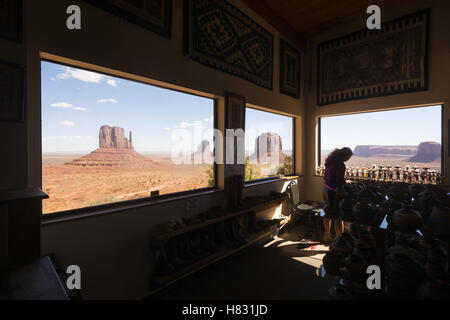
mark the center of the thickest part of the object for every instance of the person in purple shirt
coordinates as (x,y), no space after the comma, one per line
(334,178)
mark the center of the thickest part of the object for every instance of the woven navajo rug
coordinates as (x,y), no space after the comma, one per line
(221,36)
(373,63)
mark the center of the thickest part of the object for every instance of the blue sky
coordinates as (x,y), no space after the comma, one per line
(76,103)
(258,122)
(396,127)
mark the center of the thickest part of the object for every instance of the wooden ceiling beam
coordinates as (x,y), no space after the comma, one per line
(286,30)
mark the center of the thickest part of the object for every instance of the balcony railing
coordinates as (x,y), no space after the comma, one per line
(389,174)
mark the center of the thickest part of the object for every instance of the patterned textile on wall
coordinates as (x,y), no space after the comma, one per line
(290,62)
(221,36)
(373,63)
(154,15)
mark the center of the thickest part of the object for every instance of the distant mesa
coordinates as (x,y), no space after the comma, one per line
(373,151)
(114,150)
(268,146)
(425,152)
(428,152)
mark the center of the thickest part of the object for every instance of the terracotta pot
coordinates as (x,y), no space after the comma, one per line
(362,250)
(355,264)
(399,192)
(346,207)
(341,246)
(436,271)
(436,255)
(415,190)
(426,202)
(364,212)
(332,262)
(340,293)
(367,239)
(439,222)
(367,195)
(407,220)
(433,290)
(402,272)
(394,205)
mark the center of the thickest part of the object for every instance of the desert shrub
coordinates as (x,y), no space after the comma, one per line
(287,167)
(210,173)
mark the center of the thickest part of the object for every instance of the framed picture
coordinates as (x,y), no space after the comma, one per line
(235,111)
(290,70)
(234,119)
(374,63)
(12,92)
(11,20)
(154,15)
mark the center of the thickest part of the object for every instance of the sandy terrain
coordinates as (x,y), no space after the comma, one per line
(72,187)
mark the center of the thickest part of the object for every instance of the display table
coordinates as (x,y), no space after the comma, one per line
(34,280)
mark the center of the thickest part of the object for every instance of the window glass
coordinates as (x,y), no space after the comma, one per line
(406,137)
(106,139)
(268,144)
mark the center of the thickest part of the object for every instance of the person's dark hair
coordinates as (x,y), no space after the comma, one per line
(340,154)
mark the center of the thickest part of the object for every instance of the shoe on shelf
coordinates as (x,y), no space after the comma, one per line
(327,237)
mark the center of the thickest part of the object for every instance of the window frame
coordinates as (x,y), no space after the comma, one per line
(439,104)
(294,151)
(141,202)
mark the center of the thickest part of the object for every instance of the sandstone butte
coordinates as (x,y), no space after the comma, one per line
(268,146)
(114,150)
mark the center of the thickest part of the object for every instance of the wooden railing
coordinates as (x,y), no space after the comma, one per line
(387,173)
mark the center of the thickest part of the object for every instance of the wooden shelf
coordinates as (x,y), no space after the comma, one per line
(22,194)
(263,206)
(162,282)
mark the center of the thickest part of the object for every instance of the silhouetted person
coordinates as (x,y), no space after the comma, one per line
(334,178)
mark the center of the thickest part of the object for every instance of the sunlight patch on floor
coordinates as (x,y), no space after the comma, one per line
(275,240)
(313,261)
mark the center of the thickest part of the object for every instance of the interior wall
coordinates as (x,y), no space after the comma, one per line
(439,85)
(113,250)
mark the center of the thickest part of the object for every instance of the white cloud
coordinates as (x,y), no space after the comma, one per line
(195,124)
(107,100)
(67,123)
(80,109)
(66,105)
(53,78)
(63,105)
(82,75)
(111,82)
(167,129)
(209,119)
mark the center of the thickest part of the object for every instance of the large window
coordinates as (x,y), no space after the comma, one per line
(406,137)
(107,139)
(268,145)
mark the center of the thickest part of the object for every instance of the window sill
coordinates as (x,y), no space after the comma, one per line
(90,212)
(271,180)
